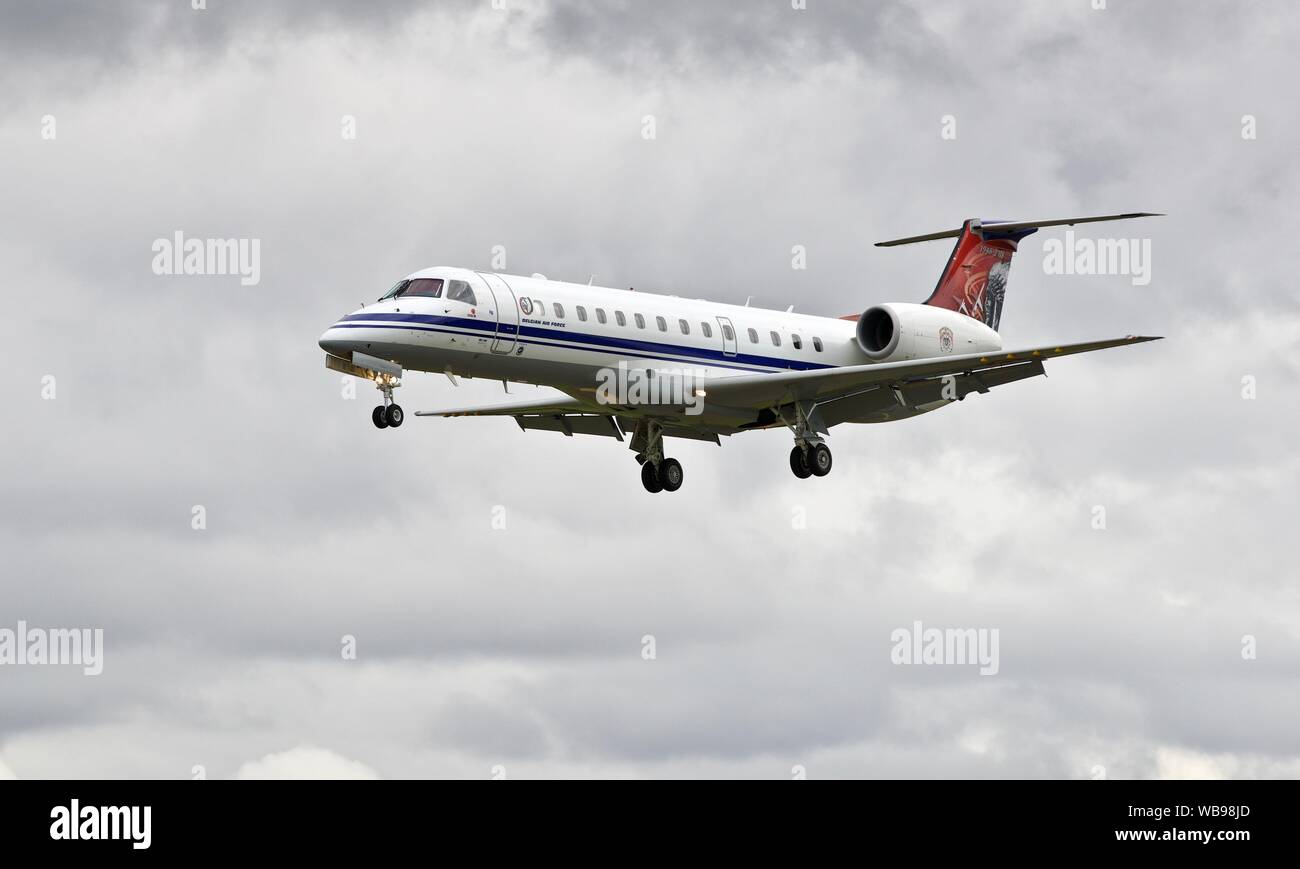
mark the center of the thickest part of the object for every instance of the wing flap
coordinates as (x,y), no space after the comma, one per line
(568,416)
(551,405)
(570,424)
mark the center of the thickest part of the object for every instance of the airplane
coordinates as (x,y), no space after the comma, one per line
(643,367)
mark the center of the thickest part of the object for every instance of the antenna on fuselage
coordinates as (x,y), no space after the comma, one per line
(590,279)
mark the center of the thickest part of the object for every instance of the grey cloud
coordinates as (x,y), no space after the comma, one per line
(681,37)
(522,646)
(117,33)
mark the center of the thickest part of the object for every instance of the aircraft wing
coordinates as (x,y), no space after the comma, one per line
(974,372)
(829,384)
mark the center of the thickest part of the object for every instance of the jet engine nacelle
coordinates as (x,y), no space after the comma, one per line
(899,331)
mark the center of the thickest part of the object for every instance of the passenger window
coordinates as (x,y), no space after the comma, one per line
(559,311)
(753,336)
(582,313)
(776,340)
(640,321)
(817,344)
(797,342)
(727,333)
(618,315)
(707,330)
(686,327)
(600,315)
(427,287)
(459,291)
(663,324)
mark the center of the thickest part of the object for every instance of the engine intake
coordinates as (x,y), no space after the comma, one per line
(878,332)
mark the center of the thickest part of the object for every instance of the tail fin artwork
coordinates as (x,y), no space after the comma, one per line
(974,282)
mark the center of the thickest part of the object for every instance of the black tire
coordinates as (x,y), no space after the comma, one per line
(379,418)
(394,415)
(820,460)
(670,474)
(799,463)
(650,478)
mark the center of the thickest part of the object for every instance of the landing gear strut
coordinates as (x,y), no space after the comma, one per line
(658,474)
(810,456)
(389,414)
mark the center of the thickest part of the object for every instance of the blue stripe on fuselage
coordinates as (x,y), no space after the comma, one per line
(587,341)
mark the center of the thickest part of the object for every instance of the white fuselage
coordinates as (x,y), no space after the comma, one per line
(533,330)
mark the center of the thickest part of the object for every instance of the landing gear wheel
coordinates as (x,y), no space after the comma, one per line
(799,463)
(650,478)
(670,475)
(394,415)
(379,417)
(820,460)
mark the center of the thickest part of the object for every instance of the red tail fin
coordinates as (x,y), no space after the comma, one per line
(974,282)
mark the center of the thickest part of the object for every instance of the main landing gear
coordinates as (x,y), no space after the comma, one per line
(810,456)
(810,461)
(389,414)
(658,474)
(667,477)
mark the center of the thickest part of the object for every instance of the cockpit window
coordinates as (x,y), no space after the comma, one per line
(459,291)
(428,287)
(395,291)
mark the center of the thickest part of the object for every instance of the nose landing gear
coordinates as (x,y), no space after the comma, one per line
(389,414)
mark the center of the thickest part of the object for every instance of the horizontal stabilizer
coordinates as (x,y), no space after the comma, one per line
(1013,226)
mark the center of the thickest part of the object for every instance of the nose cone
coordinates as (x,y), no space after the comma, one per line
(334,342)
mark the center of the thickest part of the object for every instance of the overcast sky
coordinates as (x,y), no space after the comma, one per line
(522,648)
